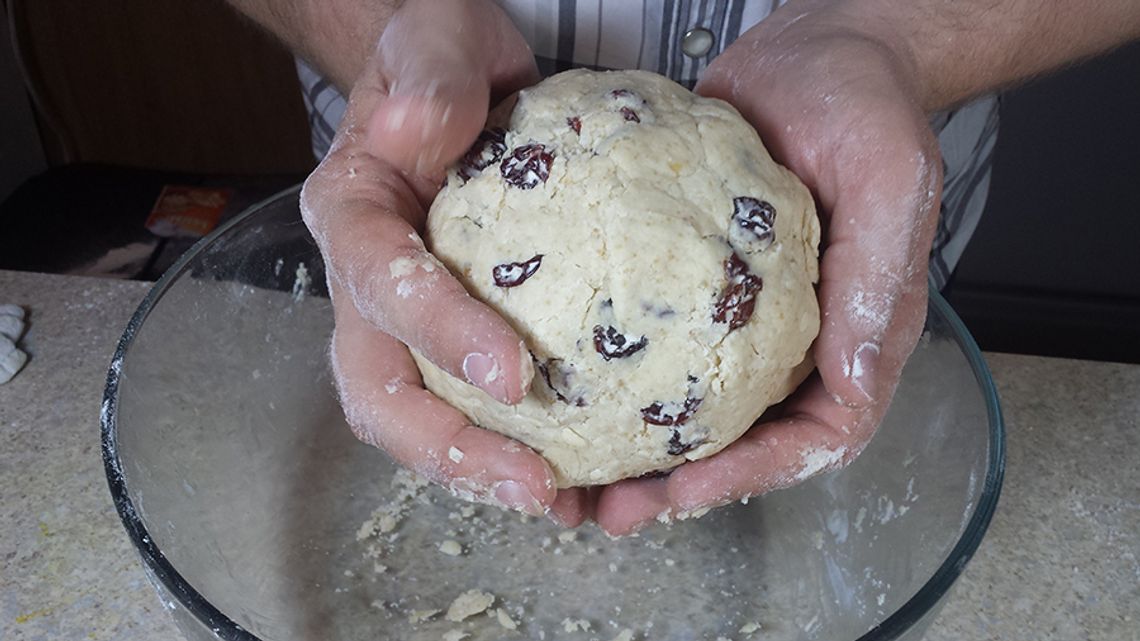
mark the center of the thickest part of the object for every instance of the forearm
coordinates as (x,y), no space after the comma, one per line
(336,36)
(963,48)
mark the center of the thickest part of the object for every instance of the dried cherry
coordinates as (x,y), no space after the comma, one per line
(488,148)
(671,412)
(677,447)
(515,274)
(738,300)
(527,166)
(557,378)
(611,343)
(756,216)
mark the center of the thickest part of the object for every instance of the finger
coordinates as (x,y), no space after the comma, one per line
(386,405)
(873,275)
(571,507)
(438,96)
(876,172)
(358,210)
(815,435)
(627,506)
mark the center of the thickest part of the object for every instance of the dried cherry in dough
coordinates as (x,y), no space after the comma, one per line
(487,149)
(515,274)
(756,216)
(559,378)
(527,166)
(611,343)
(738,300)
(671,413)
(677,447)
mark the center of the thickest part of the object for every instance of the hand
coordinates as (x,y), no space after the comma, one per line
(841,110)
(418,105)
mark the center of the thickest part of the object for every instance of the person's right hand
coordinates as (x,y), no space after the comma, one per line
(419,104)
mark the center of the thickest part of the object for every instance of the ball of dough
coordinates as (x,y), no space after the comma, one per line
(656,260)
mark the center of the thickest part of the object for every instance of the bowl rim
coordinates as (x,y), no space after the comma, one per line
(162,571)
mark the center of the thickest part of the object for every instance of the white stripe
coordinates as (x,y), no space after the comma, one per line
(545,42)
(586,34)
(620,20)
(722,37)
(754,12)
(670,29)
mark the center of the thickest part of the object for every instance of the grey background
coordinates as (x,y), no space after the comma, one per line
(21,154)
(1054,267)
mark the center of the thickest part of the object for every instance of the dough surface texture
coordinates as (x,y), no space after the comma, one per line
(657,262)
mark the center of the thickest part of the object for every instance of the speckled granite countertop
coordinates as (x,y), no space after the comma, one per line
(1058,564)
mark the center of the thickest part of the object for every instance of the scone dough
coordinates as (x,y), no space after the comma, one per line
(656,260)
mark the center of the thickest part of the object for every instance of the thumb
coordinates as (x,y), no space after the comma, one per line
(440,62)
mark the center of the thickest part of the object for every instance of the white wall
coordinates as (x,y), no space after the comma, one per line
(21,153)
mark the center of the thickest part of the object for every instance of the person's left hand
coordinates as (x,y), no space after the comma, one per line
(419,103)
(841,110)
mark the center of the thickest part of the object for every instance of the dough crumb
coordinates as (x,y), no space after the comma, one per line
(625,635)
(750,628)
(454,635)
(468,604)
(455,454)
(575,625)
(301,283)
(379,568)
(419,616)
(451,547)
(569,536)
(392,386)
(505,619)
(383,520)
(692,514)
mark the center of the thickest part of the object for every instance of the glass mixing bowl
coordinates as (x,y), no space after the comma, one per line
(259,516)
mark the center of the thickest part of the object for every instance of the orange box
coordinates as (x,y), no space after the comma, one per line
(182,211)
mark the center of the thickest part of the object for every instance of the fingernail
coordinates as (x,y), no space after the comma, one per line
(482,371)
(516,496)
(555,519)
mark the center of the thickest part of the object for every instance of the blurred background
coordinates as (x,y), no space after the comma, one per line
(130,127)
(105,104)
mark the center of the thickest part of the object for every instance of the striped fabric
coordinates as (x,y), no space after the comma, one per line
(648,34)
